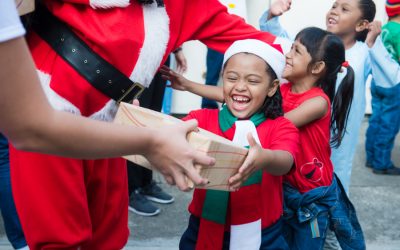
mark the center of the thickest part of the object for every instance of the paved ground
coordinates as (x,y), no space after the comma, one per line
(376,198)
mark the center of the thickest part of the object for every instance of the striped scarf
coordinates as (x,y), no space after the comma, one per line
(215,207)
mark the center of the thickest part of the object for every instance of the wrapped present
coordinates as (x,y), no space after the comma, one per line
(25,6)
(229,157)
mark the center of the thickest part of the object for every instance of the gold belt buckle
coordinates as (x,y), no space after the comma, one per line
(137,95)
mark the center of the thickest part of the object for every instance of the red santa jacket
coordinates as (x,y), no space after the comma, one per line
(135,38)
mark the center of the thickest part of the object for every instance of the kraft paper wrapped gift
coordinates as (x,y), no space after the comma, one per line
(25,6)
(229,157)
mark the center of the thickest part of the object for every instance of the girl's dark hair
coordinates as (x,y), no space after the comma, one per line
(368,11)
(327,47)
(272,106)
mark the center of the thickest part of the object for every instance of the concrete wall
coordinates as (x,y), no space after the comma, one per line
(302,14)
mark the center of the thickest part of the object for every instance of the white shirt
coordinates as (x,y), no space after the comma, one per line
(10,24)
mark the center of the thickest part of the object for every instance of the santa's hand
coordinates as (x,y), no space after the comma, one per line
(171,154)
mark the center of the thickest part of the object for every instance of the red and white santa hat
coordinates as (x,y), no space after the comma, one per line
(271,53)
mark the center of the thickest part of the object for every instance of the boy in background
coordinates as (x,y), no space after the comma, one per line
(385,120)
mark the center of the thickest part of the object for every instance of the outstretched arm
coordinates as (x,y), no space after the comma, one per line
(309,111)
(275,162)
(269,21)
(31,124)
(385,70)
(181,83)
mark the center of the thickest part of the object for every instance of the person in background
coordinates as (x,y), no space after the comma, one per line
(142,189)
(384,122)
(12,226)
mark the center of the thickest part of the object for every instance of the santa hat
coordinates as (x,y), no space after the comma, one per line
(271,53)
(392,7)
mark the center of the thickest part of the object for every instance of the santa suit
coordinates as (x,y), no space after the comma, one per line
(69,203)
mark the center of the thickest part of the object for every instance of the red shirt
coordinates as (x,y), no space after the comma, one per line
(277,134)
(313,166)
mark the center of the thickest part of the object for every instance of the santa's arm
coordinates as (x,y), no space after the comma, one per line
(209,22)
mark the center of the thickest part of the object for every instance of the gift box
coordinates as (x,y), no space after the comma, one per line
(229,157)
(25,6)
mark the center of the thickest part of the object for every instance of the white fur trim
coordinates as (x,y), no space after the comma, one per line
(156,31)
(57,102)
(243,127)
(105,4)
(271,55)
(107,113)
(246,236)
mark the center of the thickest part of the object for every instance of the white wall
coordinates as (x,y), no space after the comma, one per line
(303,13)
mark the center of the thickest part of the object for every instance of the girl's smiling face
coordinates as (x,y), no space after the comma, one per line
(344,18)
(297,63)
(246,84)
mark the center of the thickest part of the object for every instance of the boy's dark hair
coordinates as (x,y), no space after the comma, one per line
(368,11)
(272,106)
(327,47)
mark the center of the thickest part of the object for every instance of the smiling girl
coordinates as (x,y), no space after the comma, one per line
(252,116)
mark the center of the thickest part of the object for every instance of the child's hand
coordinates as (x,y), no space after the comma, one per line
(374,30)
(279,7)
(249,166)
(177,80)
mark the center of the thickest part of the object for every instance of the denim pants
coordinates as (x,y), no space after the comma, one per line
(214,61)
(384,124)
(11,221)
(307,217)
(271,239)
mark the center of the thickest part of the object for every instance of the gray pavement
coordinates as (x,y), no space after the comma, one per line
(376,199)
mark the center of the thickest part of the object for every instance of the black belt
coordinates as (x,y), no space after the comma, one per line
(97,71)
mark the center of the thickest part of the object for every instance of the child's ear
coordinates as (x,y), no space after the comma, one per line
(273,88)
(362,25)
(318,67)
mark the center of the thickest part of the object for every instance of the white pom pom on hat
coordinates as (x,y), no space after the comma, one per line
(270,53)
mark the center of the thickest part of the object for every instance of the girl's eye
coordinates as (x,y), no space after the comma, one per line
(253,81)
(232,78)
(345,9)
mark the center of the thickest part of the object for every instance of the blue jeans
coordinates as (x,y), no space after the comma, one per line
(214,65)
(11,222)
(307,217)
(384,124)
(271,238)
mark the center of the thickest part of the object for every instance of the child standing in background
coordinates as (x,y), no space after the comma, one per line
(252,116)
(384,122)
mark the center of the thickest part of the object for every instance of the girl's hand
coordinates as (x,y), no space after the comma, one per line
(374,30)
(249,166)
(279,7)
(171,155)
(177,80)
(181,63)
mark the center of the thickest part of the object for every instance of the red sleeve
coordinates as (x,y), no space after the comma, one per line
(209,22)
(285,136)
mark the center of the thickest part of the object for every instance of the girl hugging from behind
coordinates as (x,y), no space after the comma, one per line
(251,116)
